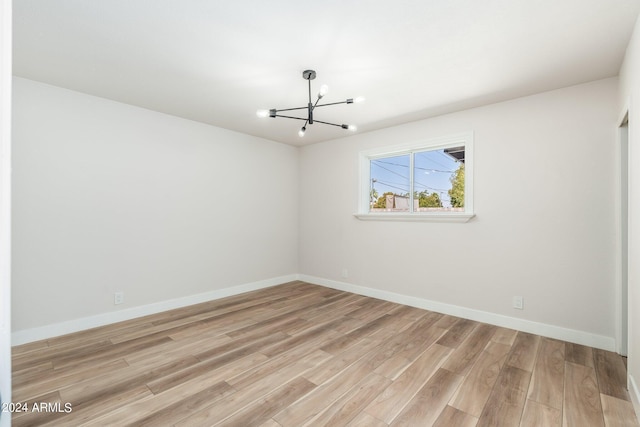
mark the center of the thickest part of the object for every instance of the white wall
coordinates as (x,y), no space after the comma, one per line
(111,197)
(5,207)
(545,226)
(629,96)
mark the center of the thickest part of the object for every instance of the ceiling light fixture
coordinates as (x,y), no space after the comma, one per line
(311,106)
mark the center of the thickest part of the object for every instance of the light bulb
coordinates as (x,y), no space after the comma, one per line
(301,132)
(359,99)
(323,91)
(262,113)
(353,128)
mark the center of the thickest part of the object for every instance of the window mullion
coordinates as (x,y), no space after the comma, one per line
(411,173)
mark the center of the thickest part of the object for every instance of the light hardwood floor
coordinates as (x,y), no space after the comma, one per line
(299,354)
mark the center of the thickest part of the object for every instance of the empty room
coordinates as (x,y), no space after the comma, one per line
(337,213)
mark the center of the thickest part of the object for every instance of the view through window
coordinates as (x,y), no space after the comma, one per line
(435,178)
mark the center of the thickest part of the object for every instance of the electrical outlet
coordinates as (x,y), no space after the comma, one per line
(518,302)
(345,273)
(118,297)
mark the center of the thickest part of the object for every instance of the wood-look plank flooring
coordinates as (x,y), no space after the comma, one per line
(299,354)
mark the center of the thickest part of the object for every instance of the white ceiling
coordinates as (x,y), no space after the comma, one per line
(217,62)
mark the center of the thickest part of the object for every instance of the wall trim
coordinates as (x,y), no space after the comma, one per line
(634,392)
(543,329)
(551,331)
(622,339)
(76,325)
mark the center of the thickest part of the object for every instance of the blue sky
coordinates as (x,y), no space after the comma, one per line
(433,170)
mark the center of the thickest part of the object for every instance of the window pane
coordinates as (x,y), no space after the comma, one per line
(389,186)
(439,180)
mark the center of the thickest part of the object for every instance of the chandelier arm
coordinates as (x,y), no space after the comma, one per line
(316,103)
(327,123)
(290,117)
(291,109)
(333,103)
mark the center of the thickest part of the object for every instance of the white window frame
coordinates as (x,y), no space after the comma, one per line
(365,158)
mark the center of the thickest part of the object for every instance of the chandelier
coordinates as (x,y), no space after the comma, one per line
(309,75)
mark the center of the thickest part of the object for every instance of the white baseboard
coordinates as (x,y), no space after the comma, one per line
(634,392)
(76,325)
(551,331)
(557,332)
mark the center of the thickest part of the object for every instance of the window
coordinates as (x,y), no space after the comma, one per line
(438,173)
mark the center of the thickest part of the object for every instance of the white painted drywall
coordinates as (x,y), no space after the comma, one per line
(110,197)
(629,97)
(545,175)
(5,208)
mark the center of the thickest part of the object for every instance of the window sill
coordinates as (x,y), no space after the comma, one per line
(431,217)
